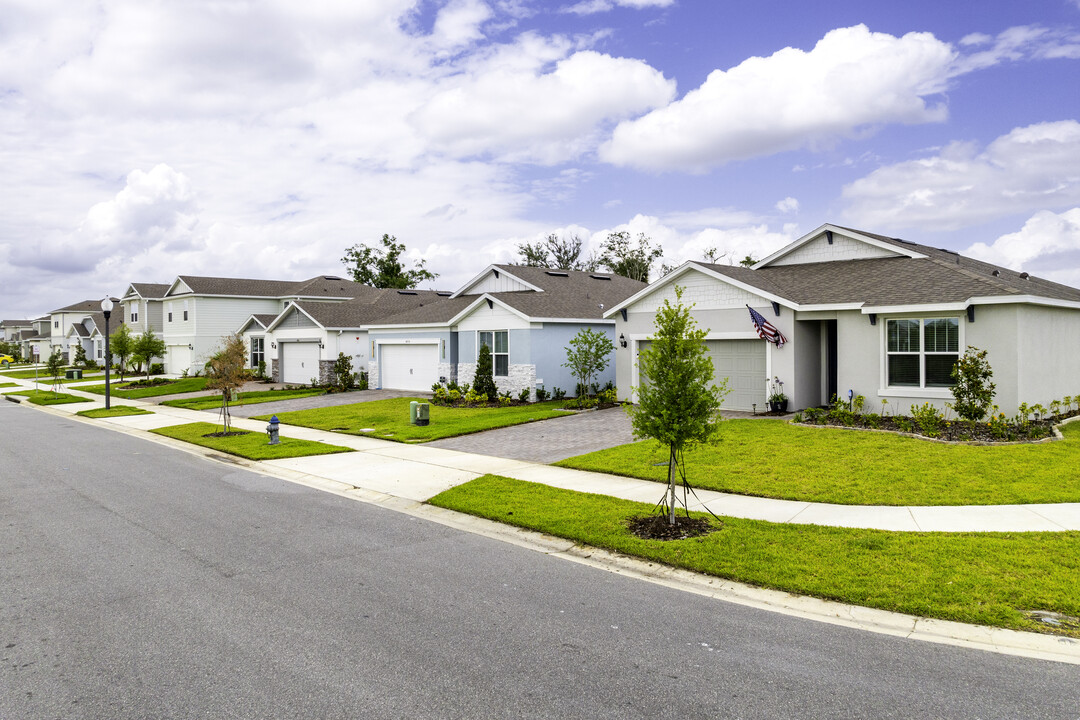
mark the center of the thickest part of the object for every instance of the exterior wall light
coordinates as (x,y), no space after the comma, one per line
(622,340)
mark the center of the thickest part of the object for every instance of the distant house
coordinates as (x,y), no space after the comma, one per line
(199,312)
(61,321)
(13,329)
(865,314)
(302,342)
(90,334)
(525,315)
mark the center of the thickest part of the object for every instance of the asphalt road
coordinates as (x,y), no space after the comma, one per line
(142,582)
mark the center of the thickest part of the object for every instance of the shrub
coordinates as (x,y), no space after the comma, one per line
(972,388)
(523,396)
(557,393)
(928,418)
(157,368)
(542,394)
(484,383)
(343,372)
(362,380)
(261,374)
(606,396)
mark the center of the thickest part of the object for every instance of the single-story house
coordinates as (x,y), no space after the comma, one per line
(865,314)
(526,315)
(302,342)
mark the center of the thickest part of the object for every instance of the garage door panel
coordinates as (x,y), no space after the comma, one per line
(299,362)
(409,366)
(742,362)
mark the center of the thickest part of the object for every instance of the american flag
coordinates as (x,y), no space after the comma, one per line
(765,329)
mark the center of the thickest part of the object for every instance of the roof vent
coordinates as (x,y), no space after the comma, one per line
(406,292)
(557,273)
(1024,276)
(996,273)
(600,277)
(443,294)
(331,277)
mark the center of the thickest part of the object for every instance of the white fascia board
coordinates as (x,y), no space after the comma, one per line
(174,285)
(486,297)
(488,271)
(281,316)
(409,328)
(829,306)
(130,294)
(827,227)
(574,321)
(654,286)
(917,308)
(1024,299)
(251,319)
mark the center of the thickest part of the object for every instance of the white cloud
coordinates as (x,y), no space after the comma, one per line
(525,113)
(850,81)
(788,205)
(591,7)
(1031,168)
(458,23)
(1047,246)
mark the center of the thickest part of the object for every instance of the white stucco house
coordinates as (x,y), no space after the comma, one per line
(61,322)
(865,314)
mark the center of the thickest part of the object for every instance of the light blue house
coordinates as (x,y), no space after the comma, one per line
(526,315)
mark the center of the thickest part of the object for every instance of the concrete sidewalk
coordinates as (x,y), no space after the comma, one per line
(418,472)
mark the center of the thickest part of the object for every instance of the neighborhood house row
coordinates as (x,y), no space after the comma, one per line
(858,314)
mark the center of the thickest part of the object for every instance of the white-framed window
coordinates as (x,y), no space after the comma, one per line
(134,316)
(921,352)
(185,316)
(499,342)
(257,353)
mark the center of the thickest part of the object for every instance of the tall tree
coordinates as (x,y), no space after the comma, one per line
(677,403)
(121,344)
(622,257)
(383,267)
(147,347)
(225,372)
(556,252)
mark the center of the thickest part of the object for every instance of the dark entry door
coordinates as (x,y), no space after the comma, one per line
(830,360)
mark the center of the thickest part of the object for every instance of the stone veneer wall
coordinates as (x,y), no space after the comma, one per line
(520,378)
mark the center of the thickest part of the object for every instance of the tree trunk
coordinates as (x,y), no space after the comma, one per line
(671,486)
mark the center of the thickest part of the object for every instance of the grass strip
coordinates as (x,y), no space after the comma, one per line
(114,411)
(253,445)
(982,578)
(42,374)
(183,385)
(4,385)
(771,458)
(389,419)
(48,397)
(244,398)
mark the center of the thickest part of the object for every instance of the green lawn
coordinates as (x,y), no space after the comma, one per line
(245,398)
(983,578)
(48,397)
(4,385)
(42,374)
(114,411)
(389,419)
(182,385)
(771,458)
(253,445)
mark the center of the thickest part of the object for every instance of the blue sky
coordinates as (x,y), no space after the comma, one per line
(142,140)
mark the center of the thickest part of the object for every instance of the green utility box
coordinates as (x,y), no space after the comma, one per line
(423,414)
(73,374)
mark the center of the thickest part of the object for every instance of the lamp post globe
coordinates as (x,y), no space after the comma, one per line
(106,309)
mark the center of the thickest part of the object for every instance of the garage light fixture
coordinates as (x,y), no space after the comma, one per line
(622,340)
(273,346)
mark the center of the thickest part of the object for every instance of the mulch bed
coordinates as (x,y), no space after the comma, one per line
(231,433)
(657,527)
(949,431)
(144,383)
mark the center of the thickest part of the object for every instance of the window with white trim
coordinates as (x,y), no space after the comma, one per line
(921,352)
(134,316)
(499,342)
(257,354)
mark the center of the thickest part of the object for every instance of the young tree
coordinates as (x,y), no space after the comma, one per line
(620,257)
(55,365)
(225,372)
(121,344)
(588,355)
(80,356)
(556,252)
(972,390)
(382,268)
(343,372)
(147,347)
(677,404)
(484,382)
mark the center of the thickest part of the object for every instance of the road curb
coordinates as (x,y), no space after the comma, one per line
(999,640)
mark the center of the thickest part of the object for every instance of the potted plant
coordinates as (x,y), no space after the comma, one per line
(777,398)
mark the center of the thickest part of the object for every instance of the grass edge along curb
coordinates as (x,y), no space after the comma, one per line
(252,446)
(989,579)
(114,411)
(48,397)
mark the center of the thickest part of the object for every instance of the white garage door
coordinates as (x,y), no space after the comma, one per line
(743,363)
(299,362)
(178,359)
(409,367)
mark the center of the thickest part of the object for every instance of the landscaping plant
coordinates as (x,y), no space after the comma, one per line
(55,365)
(147,347)
(587,356)
(120,346)
(973,389)
(678,405)
(225,372)
(484,382)
(343,372)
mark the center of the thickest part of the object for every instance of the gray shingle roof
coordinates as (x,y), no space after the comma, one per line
(85,306)
(14,323)
(150,291)
(941,277)
(371,309)
(322,286)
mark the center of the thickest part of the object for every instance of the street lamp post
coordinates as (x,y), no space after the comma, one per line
(106,307)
